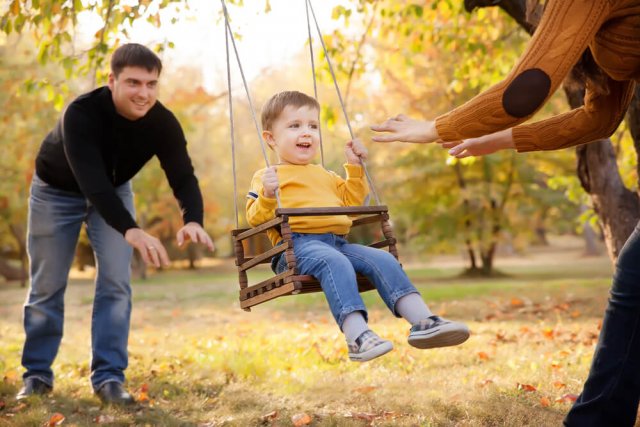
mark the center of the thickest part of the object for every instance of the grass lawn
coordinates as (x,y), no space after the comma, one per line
(197,359)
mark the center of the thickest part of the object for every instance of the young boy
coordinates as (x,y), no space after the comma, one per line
(291,128)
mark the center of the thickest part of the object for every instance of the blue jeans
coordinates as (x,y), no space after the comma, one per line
(612,390)
(55,220)
(334,262)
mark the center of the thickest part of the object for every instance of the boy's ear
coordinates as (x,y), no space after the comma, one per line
(268,137)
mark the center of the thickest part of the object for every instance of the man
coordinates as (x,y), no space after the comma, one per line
(82,174)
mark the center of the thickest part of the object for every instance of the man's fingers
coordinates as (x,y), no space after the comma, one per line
(164,256)
(154,257)
(144,254)
(206,240)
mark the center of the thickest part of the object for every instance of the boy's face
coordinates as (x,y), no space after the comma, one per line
(295,135)
(134,91)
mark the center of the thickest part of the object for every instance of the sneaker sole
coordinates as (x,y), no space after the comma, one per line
(442,336)
(376,351)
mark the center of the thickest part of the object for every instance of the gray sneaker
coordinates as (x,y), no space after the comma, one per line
(368,346)
(435,332)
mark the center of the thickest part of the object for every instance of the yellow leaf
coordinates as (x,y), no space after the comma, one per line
(15,7)
(545,402)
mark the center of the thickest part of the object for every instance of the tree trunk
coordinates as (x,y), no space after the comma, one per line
(590,237)
(466,209)
(617,207)
(10,272)
(19,235)
(633,120)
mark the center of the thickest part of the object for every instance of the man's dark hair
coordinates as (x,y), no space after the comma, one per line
(134,55)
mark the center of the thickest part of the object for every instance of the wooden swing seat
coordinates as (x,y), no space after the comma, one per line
(290,282)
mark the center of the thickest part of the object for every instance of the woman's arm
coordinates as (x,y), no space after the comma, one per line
(597,119)
(565,31)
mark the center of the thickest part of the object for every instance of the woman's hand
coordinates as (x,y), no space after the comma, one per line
(355,152)
(482,145)
(405,129)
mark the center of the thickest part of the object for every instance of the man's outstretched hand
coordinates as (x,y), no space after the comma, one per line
(153,251)
(150,248)
(194,232)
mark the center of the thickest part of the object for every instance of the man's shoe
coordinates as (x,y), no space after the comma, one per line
(33,385)
(112,393)
(437,332)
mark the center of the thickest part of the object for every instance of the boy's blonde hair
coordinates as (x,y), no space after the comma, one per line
(278,102)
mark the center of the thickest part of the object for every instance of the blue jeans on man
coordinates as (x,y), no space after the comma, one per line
(334,262)
(55,220)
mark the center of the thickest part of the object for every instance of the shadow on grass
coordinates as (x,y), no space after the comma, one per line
(78,408)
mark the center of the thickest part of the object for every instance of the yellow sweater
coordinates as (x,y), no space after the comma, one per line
(307,186)
(610,28)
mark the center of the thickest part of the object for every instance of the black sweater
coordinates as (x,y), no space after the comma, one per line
(93,149)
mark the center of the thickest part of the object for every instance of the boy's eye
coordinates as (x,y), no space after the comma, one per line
(313,126)
(294,125)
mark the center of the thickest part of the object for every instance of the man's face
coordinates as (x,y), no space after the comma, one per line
(134,91)
(295,135)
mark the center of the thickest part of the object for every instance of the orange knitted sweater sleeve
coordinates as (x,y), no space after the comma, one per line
(597,119)
(566,29)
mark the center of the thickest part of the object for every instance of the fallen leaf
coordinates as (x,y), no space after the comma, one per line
(485,382)
(548,333)
(10,377)
(516,302)
(104,419)
(363,416)
(559,384)
(390,414)
(483,356)
(545,402)
(143,395)
(56,419)
(19,407)
(526,387)
(366,389)
(575,314)
(269,417)
(2,404)
(568,398)
(299,420)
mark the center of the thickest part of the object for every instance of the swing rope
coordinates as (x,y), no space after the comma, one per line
(229,33)
(233,139)
(313,74)
(344,110)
